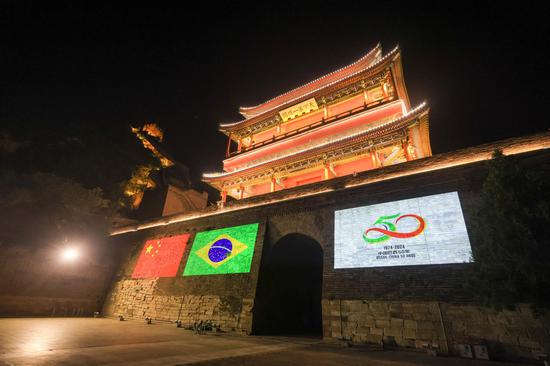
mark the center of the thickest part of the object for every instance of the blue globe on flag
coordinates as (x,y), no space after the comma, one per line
(220,250)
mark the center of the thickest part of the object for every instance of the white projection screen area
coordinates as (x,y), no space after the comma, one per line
(417,231)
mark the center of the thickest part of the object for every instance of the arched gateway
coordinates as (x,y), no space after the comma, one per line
(289,293)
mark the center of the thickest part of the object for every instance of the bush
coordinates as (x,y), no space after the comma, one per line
(511,232)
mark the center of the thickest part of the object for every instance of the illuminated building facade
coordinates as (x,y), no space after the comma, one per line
(329,235)
(373,258)
(354,119)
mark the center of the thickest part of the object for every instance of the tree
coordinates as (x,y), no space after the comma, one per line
(92,155)
(511,231)
(44,209)
(59,185)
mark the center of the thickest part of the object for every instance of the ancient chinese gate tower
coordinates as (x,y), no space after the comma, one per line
(353,119)
(332,257)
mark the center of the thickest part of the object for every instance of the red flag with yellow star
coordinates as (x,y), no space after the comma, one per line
(160,257)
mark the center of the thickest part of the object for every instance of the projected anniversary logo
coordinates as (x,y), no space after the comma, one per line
(423,230)
(222,251)
(376,234)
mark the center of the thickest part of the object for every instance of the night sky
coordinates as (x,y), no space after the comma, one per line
(74,68)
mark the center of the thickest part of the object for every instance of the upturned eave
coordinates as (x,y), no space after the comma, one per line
(375,132)
(230,129)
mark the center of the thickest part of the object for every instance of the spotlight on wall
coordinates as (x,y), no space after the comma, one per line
(70,254)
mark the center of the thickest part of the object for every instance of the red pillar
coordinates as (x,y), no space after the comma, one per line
(405,150)
(228,152)
(224,197)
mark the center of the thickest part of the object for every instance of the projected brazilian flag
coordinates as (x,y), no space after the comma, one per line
(222,251)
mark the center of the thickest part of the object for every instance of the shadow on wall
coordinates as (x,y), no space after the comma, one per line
(288,300)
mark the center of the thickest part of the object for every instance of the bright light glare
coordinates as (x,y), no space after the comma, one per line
(69,254)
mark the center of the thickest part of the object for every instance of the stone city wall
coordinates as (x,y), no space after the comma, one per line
(137,299)
(225,300)
(516,334)
(409,306)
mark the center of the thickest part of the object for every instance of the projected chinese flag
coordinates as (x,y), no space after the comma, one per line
(160,257)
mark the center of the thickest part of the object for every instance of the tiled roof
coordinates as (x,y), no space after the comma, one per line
(309,89)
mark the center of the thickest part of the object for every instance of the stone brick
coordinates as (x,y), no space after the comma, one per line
(400,341)
(455,312)
(426,334)
(374,338)
(422,315)
(396,323)
(378,308)
(377,331)
(425,325)
(530,343)
(409,333)
(415,308)
(366,319)
(512,340)
(362,330)
(396,307)
(359,338)
(394,332)
(458,327)
(382,323)
(474,315)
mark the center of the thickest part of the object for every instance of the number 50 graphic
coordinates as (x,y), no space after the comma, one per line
(390,229)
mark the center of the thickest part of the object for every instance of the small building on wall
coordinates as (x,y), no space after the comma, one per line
(344,226)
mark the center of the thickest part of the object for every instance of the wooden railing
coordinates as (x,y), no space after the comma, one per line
(322,122)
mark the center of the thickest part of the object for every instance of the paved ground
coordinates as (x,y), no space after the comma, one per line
(87,341)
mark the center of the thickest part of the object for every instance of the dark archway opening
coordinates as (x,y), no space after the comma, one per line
(288,299)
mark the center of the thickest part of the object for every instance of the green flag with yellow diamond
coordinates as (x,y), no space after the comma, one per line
(222,251)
